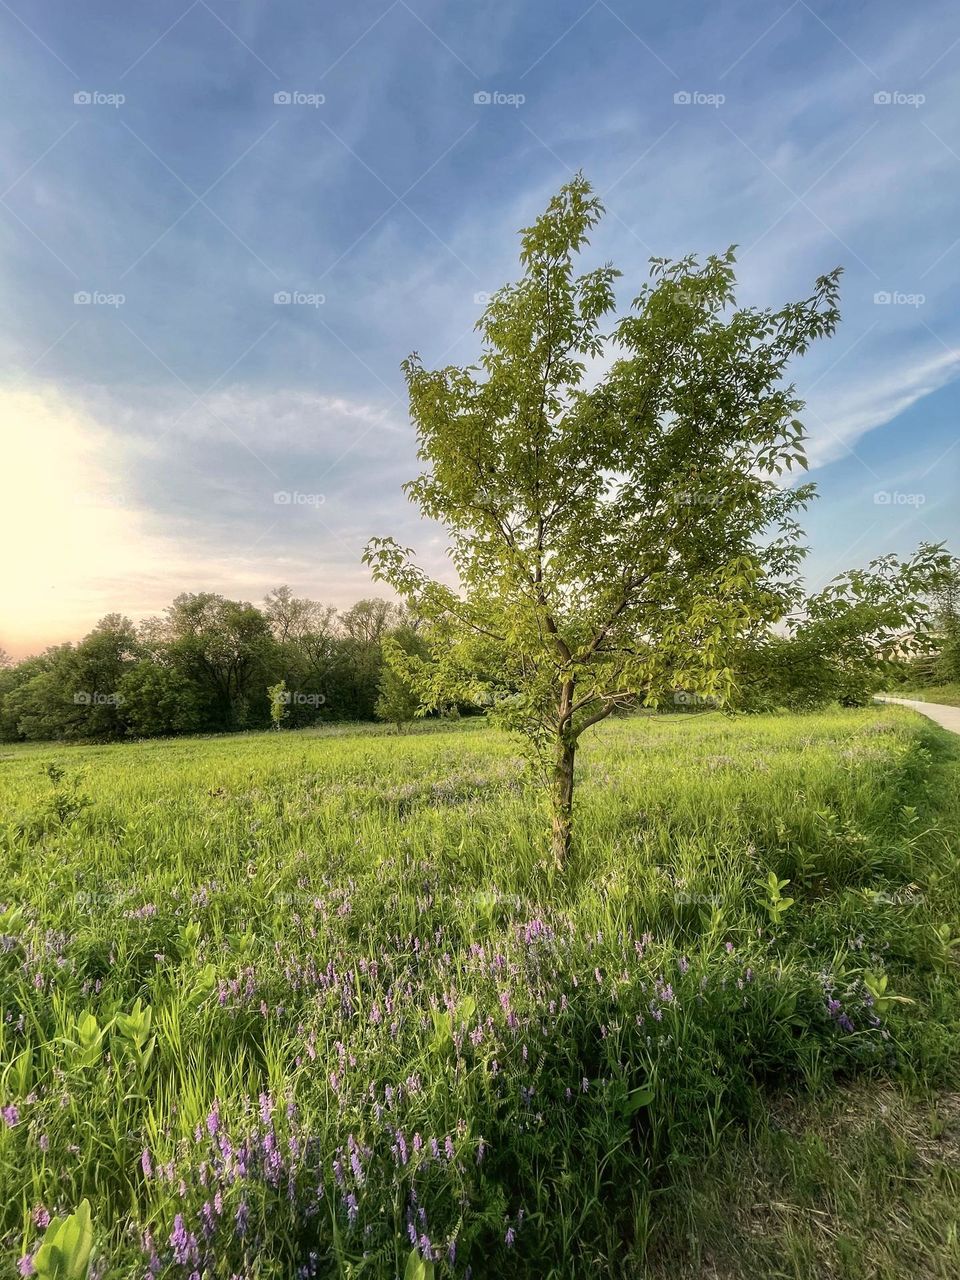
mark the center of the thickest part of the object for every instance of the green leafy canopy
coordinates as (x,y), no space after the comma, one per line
(613,535)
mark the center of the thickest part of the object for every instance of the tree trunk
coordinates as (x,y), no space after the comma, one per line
(562,799)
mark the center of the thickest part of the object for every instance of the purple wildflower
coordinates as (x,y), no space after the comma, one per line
(213,1120)
(183,1242)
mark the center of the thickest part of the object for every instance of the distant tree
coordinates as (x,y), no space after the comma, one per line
(13,703)
(320,647)
(310,652)
(279,703)
(368,621)
(38,702)
(947,612)
(779,671)
(293,617)
(364,627)
(397,698)
(846,642)
(73,691)
(613,541)
(98,665)
(225,646)
(865,620)
(158,700)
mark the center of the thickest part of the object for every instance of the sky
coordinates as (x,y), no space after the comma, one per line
(224,224)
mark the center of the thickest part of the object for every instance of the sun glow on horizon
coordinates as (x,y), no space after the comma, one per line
(75,547)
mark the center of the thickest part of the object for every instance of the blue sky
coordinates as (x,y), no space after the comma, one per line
(183,163)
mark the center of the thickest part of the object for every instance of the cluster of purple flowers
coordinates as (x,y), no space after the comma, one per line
(842,1019)
(227,1175)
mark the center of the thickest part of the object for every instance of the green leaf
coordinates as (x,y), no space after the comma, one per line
(417,1268)
(466,1009)
(66,1248)
(637,1098)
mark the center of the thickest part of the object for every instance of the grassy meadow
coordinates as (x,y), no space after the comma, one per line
(314,1004)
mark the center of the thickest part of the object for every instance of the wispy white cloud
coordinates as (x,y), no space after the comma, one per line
(839,418)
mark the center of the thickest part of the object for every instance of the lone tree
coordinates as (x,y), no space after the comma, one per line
(615,537)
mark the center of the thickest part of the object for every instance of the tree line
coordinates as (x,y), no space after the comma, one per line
(206,665)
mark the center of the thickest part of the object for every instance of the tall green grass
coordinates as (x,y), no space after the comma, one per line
(288,1004)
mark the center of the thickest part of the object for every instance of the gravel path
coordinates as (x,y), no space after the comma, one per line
(949,717)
